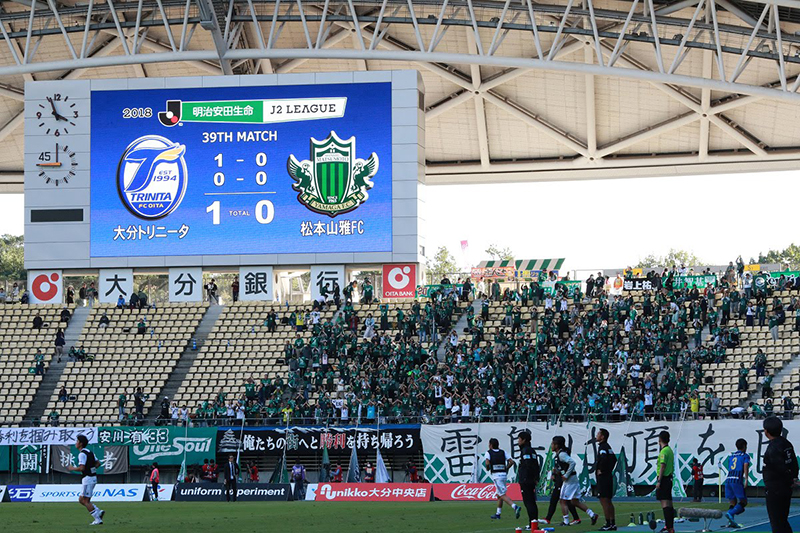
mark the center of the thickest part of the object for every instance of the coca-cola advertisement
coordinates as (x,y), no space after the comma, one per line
(477,492)
(369,492)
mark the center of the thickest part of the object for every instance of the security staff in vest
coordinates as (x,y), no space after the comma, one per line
(231,476)
(87,466)
(528,474)
(497,463)
(780,475)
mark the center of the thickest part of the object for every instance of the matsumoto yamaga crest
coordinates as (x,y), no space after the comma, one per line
(334,181)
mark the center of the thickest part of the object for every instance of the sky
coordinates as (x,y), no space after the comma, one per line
(599,224)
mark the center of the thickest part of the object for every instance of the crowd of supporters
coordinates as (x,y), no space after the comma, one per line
(574,355)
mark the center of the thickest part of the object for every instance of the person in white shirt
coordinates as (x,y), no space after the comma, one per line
(498,463)
(570,489)
(465,408)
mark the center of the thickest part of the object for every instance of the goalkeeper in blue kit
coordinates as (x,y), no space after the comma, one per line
(736,482)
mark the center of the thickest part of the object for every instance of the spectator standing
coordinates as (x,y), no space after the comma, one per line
(59,343)
(121,405)
(235,289)
(211,291)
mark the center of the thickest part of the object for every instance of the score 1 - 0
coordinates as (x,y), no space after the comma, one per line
(264,209)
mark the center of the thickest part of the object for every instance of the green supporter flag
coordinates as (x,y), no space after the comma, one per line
(677,485)
(583,478)
(279,473)
(325,471)
(545,480)
(5,458)
(622,478)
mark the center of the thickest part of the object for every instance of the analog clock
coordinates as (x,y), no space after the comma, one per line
(57,166)
(55,115)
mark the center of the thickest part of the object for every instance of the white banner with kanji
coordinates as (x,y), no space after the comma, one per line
(453,451)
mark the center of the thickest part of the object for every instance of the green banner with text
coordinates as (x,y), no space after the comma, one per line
(164,445)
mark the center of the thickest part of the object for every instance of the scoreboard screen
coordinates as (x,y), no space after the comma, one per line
(276,169)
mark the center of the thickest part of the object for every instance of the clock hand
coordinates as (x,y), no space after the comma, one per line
(52,105)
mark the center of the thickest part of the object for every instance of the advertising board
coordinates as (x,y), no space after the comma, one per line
(102,493)
(248,492)
(369,492)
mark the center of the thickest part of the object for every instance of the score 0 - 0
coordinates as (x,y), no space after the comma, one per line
(264,209)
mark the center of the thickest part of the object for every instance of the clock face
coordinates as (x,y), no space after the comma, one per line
(55,115)
(57,166)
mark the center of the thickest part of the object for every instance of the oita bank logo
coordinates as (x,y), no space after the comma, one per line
(152,177)
(399,277)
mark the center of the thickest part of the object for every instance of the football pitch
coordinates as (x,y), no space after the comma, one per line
(297,517)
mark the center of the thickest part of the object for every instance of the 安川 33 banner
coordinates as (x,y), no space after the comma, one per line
(163,445)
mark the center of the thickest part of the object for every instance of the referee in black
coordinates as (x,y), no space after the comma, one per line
(780,475)
(604,469)
(528,474)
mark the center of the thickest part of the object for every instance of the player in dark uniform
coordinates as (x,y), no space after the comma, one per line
(87,466)
(528,475)
(604,469)
(780,475)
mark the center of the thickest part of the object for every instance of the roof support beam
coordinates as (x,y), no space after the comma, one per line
(480,112)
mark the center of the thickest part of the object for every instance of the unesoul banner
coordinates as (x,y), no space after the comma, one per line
(392,439)
(453,451)
(164,445)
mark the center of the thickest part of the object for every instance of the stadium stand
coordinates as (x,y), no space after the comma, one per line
(519,352)
(120,359)
(20,343)
(279,373)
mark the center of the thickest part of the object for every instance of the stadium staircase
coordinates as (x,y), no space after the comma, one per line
(784,381)
(187,359)
(460,326)
(38,408)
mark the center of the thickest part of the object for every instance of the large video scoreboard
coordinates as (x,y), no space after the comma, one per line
(279,169)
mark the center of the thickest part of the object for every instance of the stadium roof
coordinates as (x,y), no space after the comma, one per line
(515,90)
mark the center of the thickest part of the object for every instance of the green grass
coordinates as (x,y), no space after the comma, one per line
(288,517)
